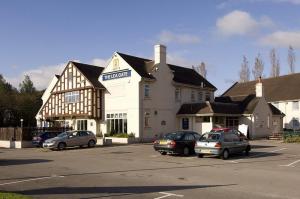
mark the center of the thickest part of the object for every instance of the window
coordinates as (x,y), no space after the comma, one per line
(72,97)
(81,124)
(193,96)
(200,96)
(207,96)
(295,106)
(83,133)
(206,119)
(185,123)
(146,119)
(147,90)
(177,94)
(116,123)
(116,64)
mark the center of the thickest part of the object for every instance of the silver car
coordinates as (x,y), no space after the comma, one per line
(222,144)
(71,139)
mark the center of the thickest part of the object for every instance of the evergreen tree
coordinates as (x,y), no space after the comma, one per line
(27,85)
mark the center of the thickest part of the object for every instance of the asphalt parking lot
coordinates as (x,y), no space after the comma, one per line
(136,171)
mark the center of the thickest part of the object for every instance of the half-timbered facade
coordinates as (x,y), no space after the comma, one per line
(76,99)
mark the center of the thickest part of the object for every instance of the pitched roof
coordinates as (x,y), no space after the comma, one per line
(181,74)
(91,72)
(275,89)
(209,108)
(189,76)
(275,111)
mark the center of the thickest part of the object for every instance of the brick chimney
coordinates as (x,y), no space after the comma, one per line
(160,54)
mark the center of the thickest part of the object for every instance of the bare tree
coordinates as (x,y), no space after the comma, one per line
(245,71)
(275,65)
(258,69)
(291,59)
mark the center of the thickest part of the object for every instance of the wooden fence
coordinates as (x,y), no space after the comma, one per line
(26,134)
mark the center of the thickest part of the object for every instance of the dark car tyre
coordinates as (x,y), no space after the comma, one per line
(186,151)
(163,153)
(91,143)
(225,154)
(248,149)
(61,146)
(200,155)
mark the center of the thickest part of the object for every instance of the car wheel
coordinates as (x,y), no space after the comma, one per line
(91,143)
(247,150)
(225,154)
(200,155)
(61,146)
(186,151)
(163,153)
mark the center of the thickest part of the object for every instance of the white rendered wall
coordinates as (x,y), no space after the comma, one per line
(287,108)
(122,96)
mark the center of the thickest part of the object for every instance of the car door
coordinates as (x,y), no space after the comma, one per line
(238,143)
(73,139)
(189,140)
(83,138)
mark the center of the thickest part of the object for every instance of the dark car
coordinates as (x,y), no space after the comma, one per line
(180,142)
(40,137)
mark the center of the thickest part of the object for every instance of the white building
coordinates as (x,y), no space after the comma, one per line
(149,98)
(143,96)
(283,92)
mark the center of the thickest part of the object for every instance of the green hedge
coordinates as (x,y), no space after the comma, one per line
(13,196)
(291,136)
(120,135)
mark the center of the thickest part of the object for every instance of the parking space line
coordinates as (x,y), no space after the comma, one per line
(257,155)
(32,179)
(291,164)
(166,194)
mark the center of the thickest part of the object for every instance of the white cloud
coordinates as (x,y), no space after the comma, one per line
(170,37)
(42,75)
(282,39)
(240,22)
(99,62)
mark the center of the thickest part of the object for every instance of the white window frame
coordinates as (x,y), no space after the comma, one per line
(177,94)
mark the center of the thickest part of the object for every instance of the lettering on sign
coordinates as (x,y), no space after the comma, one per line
(116,75)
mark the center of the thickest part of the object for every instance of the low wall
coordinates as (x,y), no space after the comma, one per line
(120,140)
(15,144)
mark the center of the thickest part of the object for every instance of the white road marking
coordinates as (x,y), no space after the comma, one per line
(165,195)
(291,164)
(32,179)
(257,155)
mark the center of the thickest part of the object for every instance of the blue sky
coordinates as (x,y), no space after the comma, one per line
(39,37)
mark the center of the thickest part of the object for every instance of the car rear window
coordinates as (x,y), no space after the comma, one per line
(210,137)
(174,136)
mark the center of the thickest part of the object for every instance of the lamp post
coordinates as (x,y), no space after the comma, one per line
(21,120)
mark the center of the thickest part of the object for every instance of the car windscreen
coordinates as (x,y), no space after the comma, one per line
(173,136)
(210,137)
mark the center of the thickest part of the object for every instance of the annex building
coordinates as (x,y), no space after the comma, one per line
(146,98)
